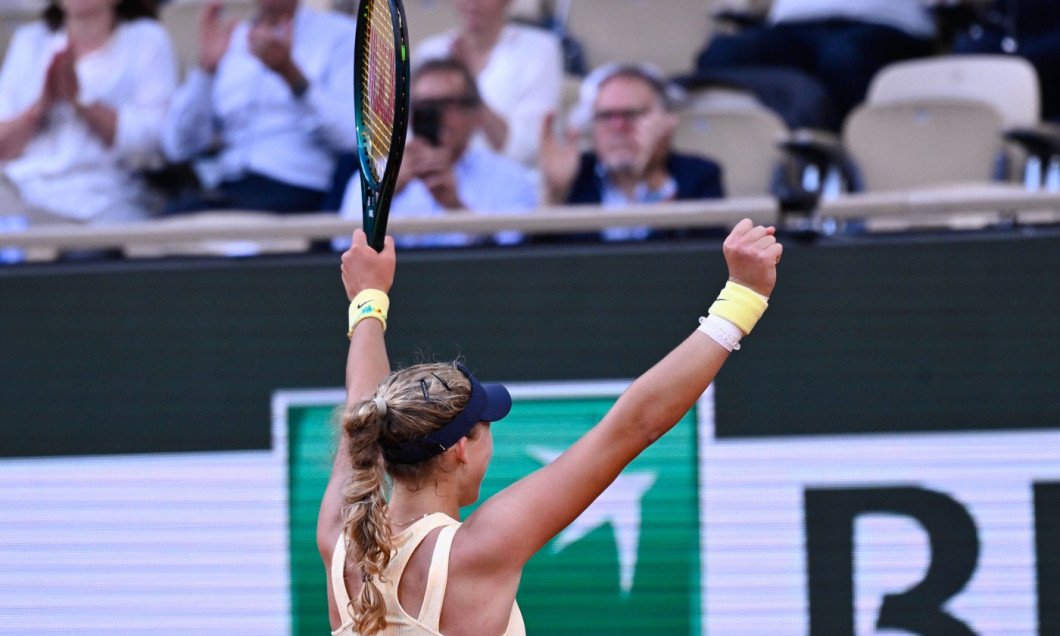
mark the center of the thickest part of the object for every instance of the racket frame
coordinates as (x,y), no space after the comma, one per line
(376,195)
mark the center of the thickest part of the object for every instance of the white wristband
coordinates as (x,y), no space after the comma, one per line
(721,331)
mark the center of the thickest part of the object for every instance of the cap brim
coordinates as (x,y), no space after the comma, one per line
(498,403)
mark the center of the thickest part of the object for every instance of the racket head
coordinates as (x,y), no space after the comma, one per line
(381,97)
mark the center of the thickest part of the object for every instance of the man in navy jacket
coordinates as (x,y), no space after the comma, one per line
(628,107)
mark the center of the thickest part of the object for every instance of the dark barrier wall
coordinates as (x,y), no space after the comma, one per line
(885,335)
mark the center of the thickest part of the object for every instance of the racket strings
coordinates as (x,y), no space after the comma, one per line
(378,80)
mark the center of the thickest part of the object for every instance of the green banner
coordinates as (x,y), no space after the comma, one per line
(628,565)
(311,443)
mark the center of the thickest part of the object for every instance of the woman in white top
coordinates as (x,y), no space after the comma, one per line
(519,71)
(82,95)
(399,562)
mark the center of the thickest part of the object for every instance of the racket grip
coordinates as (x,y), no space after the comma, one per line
(375,227)
(376,240)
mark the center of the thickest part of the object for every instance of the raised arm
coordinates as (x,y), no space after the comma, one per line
(366,366)
(514,524)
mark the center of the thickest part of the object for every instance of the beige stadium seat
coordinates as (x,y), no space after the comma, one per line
(666,33)
(916,144)
(1006,82)
(934,130)
(744,141)
(181,20)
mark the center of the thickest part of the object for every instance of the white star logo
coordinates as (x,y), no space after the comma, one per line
(620,505)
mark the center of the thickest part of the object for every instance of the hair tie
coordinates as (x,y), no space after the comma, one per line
(380,404)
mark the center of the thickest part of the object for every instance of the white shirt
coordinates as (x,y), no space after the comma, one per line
(261,125)
(487,183)
(910,16)
(67,169)
(522,82)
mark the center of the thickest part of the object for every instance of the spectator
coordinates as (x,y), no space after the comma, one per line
(82,95)
(1028,28)
(630,160)
(839,43)
(519,70)
(441,172)
(274,95)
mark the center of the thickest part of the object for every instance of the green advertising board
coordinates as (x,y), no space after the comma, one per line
(630,564)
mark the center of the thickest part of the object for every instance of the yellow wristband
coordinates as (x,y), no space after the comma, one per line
(740,305)
(370,303)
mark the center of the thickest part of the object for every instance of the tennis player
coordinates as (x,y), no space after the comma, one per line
(403,563)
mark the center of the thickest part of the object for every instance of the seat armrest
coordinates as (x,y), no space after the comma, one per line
(817,167)
(820,147)
(1041,140)
(737,19)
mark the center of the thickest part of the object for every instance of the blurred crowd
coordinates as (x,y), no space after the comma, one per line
(98,124)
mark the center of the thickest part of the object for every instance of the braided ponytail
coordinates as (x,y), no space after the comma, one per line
(367,533)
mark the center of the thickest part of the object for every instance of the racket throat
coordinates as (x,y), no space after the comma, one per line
(370,201)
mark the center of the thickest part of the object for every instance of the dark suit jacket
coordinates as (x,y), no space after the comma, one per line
(696,178)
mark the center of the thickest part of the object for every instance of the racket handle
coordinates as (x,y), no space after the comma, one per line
(375,226)
(373,221)
(376,238)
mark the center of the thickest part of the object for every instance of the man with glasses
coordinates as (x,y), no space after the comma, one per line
(627,107)
(441,172)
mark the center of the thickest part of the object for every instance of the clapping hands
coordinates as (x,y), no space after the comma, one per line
(652,134)
(558,158)
(272,45)
(60,81)
(433,165)
(214,35)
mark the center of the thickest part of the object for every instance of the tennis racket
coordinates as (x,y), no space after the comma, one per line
(381,93)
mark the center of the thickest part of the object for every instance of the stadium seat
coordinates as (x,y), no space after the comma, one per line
(939,124)
(920,143)
(934,130)
(918,152)
(742,139)
(1008,83)
(663,33)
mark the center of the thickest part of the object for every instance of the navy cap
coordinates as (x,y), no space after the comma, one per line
(487,403)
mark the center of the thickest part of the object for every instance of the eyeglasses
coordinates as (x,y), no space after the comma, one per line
(444,103)
(624,116)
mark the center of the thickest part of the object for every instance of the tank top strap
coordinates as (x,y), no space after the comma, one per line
(437,577)
(338,579)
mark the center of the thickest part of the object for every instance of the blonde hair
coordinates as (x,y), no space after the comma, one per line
(408,404)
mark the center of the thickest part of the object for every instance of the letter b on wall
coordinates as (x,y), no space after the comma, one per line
(830,517)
